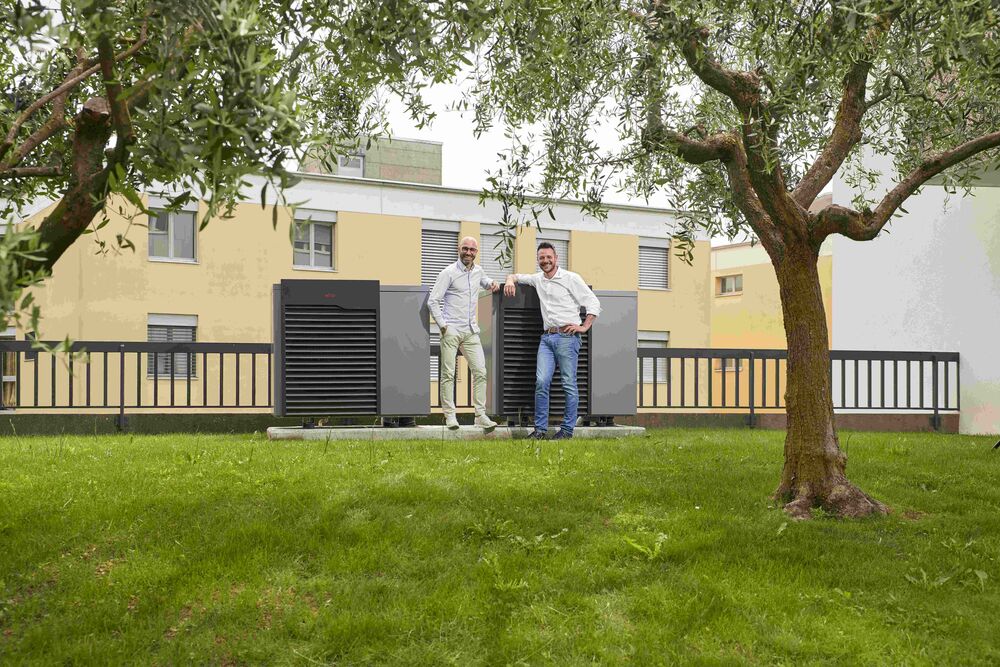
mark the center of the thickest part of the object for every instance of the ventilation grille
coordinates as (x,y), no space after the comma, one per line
(522,331)
(331,361)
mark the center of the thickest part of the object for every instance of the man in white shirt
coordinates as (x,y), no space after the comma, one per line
(561,293)
(452,302)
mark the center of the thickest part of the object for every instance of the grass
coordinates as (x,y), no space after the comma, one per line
(656,550)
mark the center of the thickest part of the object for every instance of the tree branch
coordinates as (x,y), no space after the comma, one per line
(694,151)
(69,83)
(54,124)
(749,203)
(866,225)
(929,168)
(847,125)
(835,219)
(846,134)
(759,129)
(30,172)
(88,181)
(743,88)
(119,106)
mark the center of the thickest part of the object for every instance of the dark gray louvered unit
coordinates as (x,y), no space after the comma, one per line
(511,330)
(326,347)
(511,340)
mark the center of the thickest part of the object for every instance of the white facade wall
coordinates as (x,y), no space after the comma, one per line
(931,284)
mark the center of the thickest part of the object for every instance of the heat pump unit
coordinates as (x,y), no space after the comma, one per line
(606,373)
(350,348)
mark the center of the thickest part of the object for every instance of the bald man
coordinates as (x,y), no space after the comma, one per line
(452,303)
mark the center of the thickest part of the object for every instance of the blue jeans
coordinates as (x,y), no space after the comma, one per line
(564,350)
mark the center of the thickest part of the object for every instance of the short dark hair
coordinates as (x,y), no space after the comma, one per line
(545,244)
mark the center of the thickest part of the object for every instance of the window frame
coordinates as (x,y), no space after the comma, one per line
(440,228)
(648,243)
(487,241)
(171,226)
(346,170)
(651,336)
(171,322)
(312,224)
(720,283)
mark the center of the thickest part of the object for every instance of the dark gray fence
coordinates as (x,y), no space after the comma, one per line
(754,379)
(136,375)
(236,376)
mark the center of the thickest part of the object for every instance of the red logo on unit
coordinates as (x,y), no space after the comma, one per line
(329,295)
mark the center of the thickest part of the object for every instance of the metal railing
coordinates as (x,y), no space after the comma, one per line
(236,376)
(754,379)
(136,375)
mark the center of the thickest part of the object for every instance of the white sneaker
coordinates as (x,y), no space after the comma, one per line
(451,422)
(485,423)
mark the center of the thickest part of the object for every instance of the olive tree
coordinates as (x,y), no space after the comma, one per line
(744,111)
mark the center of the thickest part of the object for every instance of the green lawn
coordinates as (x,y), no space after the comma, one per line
(655,550)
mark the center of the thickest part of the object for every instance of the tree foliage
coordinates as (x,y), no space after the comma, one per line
(101,100)
(741,109)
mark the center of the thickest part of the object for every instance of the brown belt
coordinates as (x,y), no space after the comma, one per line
(552,330)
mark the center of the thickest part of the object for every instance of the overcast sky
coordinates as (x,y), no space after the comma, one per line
(466,161)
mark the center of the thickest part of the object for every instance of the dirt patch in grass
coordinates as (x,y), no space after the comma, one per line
(182,620)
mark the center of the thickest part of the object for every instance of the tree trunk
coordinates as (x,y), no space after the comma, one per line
(814,472)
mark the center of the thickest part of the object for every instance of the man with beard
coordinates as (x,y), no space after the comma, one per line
(561,293)
(452,302)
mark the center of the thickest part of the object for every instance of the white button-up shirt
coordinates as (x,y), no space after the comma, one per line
(561,296)
(455,296)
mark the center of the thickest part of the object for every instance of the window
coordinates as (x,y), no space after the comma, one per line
(438,249)
(312,244)
(729,285)
(657,340)
(560,241)
(491,247)
(172,235)
(172,329)
(351,165)
(654,264)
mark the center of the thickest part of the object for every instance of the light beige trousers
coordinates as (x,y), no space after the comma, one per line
(472,350)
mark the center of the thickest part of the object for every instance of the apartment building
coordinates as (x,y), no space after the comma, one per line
(185,283)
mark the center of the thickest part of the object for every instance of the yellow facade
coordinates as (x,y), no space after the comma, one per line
(605,259)
(750,317)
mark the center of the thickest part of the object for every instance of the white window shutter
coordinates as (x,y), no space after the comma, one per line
(438,249)
(656,340)
(653,267)
(182,364)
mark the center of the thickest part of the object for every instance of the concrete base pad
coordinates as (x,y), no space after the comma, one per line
(437,433)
